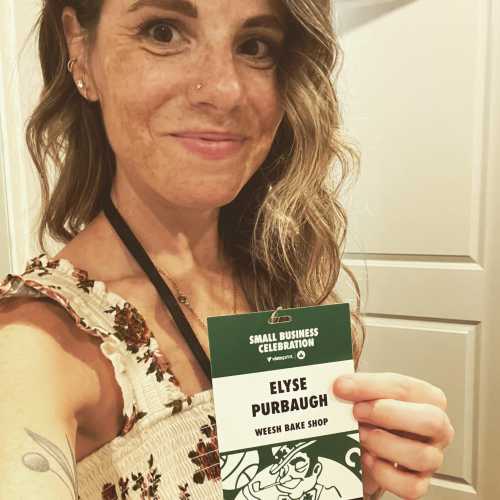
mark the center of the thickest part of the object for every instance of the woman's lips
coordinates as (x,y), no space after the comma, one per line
(209,145)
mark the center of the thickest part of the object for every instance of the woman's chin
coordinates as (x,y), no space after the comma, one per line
(207,200)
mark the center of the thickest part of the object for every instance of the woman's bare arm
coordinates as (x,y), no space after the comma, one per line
(39,398)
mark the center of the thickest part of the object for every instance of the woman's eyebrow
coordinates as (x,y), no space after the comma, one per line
(182,6)
(264,21)
(189,9)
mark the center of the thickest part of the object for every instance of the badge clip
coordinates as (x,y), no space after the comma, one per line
(274,318)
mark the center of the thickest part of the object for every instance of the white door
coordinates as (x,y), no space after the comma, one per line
(421,93)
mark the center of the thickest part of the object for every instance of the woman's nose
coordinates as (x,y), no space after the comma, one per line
(218,83)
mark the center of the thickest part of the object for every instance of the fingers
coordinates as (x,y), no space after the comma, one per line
(370,486)
(414,455)
(425,420)
(369,386)
(408,485)
(402,419)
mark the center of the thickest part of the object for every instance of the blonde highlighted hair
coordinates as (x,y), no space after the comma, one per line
(286,229)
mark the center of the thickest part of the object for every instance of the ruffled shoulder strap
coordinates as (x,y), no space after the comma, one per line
(142,372)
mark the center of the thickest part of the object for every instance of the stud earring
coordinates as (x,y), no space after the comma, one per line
(81,85)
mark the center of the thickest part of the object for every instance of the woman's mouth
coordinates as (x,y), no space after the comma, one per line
(211,145)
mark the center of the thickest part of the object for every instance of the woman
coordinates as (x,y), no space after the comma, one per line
(207,128)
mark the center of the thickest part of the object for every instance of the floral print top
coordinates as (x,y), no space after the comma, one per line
(167,448)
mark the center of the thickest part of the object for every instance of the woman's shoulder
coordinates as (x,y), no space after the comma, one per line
(58,299)
(44,308)
(49,316)
(59,281)
(99,330)
(32,310)
(36,337)
(27,299)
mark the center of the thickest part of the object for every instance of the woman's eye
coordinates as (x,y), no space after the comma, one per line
(259,49)
(160,31)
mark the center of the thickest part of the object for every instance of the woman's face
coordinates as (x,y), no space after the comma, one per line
(192,146)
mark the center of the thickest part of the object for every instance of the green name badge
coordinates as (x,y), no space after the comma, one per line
(281,432)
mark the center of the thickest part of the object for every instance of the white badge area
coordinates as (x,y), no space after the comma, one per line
(240,425)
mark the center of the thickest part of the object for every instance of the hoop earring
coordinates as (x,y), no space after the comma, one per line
(70,64)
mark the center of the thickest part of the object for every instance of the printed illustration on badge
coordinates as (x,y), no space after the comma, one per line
(324,468)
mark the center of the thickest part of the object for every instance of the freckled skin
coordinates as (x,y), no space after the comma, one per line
(147,91)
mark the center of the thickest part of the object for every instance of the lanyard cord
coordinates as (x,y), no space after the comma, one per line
(137,251)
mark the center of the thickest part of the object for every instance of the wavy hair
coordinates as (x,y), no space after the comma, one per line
(286,229)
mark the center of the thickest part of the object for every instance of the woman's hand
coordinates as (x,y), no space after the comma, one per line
(402,421)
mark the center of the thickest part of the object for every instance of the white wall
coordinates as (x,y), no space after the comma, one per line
(20,84)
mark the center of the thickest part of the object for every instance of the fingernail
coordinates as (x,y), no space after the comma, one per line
(345,384)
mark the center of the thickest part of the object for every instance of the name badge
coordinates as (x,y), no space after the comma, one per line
(281,432)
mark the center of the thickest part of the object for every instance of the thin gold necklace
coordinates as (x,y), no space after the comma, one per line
(183,299)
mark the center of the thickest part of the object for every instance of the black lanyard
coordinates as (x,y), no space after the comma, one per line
(137,251)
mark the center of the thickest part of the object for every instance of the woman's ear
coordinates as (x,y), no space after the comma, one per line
(77,41)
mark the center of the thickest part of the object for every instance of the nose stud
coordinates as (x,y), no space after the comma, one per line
(199,86)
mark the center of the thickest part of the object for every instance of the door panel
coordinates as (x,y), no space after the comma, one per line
(401,287)
(413,88)
(422,348)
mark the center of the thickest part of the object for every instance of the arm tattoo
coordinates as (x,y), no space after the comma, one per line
(39,463)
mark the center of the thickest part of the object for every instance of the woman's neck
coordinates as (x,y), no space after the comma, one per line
(175,238)
(182,242)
